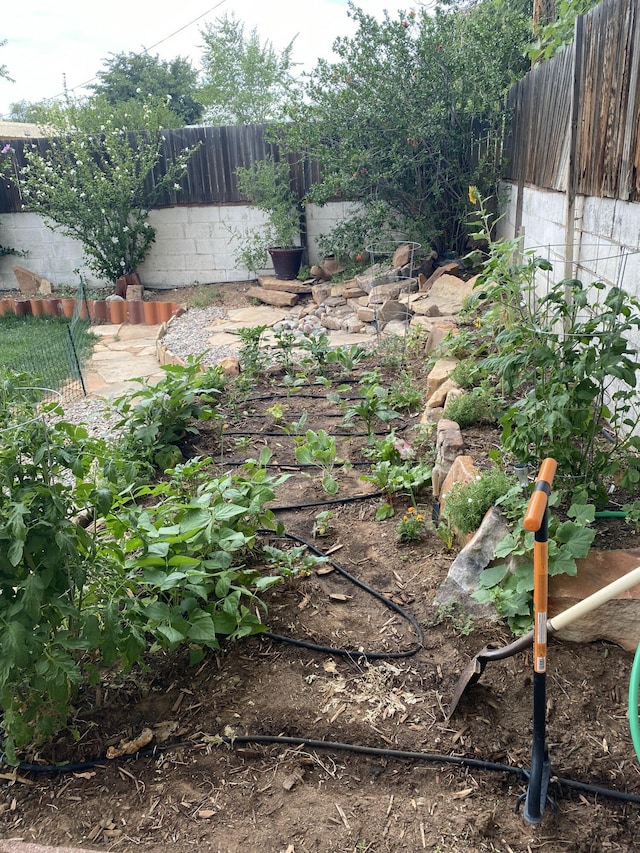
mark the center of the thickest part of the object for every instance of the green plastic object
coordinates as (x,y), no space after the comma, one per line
(634,684)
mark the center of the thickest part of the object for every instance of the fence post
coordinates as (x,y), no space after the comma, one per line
(76,360)
(570,210)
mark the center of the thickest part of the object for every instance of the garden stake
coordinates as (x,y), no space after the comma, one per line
(536,520)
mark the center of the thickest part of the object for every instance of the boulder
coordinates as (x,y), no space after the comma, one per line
(393,310)
(425,284)
(617,620)
(447,294)
(473,559)
(28,281)
(273,297)
(439,396)
(449,445)
(230,366)
(440,372)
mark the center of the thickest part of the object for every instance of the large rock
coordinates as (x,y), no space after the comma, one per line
(449,445)
(439,397)
(462,470)
(617,620)
(393,310)
(447,294)
(273,297)
(465,571)
(426,284)
(28,281)
(440,372)
(272,283)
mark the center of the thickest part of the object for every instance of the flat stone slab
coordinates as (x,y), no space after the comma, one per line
(225,339)
(447,296)
(113,368)
(273,297)
(252,315)
(135,331)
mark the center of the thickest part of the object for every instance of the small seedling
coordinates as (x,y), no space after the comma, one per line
(322,525)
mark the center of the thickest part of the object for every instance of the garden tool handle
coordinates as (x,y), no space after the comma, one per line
(538,500)
(596,599)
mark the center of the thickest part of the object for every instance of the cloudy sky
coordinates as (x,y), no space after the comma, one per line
(50,42)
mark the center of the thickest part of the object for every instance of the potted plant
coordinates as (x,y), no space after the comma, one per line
(267,186)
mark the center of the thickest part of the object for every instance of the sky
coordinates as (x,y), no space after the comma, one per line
(48,43)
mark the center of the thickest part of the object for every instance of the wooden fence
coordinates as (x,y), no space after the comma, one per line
(575,118)
(210,177)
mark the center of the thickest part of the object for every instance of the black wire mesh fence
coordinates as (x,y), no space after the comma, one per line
(59,351)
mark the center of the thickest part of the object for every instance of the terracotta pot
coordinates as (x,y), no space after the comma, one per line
(166,310)
(100,311)
(22,307)
(83,309)
(37,307)
(6,307)
(117,311)
(150,313)
(132,278)
(67,304)
(136,311)
(51,307)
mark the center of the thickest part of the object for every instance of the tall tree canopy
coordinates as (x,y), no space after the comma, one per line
(393,121)
(244,80)
(138,77)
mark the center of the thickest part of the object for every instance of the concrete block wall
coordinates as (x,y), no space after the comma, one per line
(606,235)
(194,244)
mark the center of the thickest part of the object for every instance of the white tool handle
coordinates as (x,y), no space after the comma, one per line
(595,600)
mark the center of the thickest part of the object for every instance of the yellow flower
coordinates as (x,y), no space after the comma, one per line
(405,518)
(411,509)
(419,517)
(474,196)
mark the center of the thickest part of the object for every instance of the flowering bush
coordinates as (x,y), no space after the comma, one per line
(91,182)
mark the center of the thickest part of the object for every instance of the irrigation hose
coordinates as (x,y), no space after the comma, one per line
(350,653)
(634,685)
(334,746)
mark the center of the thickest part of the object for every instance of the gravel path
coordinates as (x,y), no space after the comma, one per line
(189,335)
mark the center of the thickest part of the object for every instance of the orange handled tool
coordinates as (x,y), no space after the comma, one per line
(536,521)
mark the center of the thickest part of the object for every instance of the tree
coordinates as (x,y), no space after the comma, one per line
(4,71)
(244,80)
(91,184)
(393,121)
(27,111)
(139,77)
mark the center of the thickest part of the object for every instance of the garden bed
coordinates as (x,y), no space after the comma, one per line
(192,792)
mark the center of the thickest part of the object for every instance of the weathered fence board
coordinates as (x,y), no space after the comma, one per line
(607,156)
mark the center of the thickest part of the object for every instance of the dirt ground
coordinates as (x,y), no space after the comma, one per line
(191,793)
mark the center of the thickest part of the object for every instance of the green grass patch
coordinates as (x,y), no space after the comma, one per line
(42,347)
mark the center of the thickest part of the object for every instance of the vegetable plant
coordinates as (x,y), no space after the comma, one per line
(319,448)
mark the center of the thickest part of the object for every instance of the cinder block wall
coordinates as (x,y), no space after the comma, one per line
(606,235)
(194,244)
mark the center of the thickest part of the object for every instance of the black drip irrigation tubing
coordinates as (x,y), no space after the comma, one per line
(328,502)
(281,434)
(354,654)
(330,746)
(298,465)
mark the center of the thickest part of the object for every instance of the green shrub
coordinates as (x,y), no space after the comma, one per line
(467,503)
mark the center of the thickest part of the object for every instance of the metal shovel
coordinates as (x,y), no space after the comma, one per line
(476,665)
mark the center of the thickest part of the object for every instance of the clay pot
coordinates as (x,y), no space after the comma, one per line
(51,307)
(100,311)
(117,311)
(136,311)
(83,309)
(6,307)
(37,307)
(67,304)
(150,313)
(22,307)
(166,310)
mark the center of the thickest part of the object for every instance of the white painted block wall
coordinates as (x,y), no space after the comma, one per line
(606,235)
(194,244)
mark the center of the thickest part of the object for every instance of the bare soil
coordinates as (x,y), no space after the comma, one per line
(190,793)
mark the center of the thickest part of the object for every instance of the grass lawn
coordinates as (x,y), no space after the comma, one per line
(41,346)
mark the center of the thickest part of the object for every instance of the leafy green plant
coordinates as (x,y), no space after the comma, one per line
(292,562)
(393,479)
(404,394)
(156,418)
(508,586)
(319,448)
(576,371)
(252,356)
(466,503)
(373,403)
(267,186)
(322,523)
